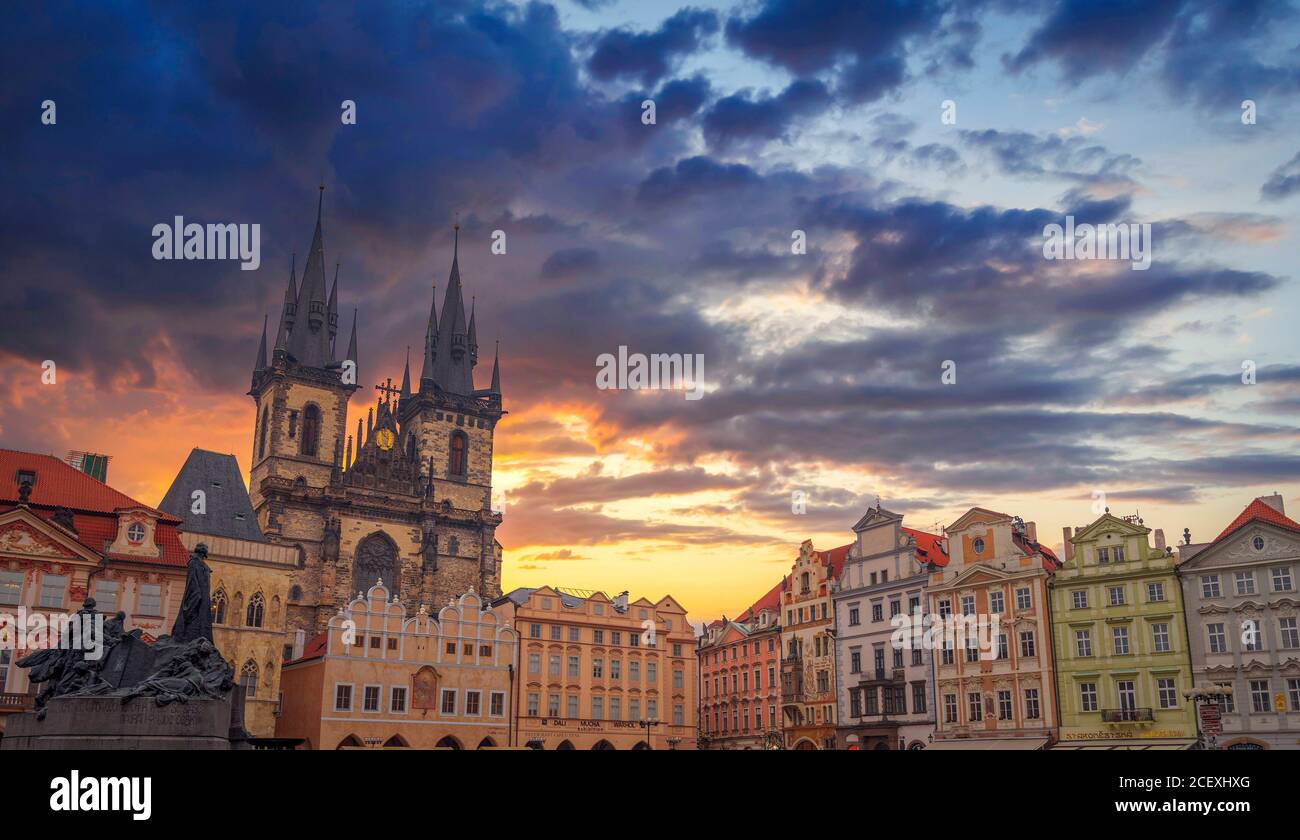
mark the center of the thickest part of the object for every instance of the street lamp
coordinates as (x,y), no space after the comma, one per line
(648,726)
(1207,695)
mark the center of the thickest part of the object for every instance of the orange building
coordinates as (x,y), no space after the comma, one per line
(596,673)
(377,677)
(1002,697)
(740,687)
(808,648)
(64,537)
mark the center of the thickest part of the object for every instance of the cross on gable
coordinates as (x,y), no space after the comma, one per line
(388,390)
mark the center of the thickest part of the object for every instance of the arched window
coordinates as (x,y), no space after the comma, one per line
(261,445)
(256,606)
(310,430)
(295,593)
(248,678)
(219,607)
(456,464)
(376,559)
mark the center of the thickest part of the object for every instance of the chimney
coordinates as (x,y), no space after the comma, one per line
(1031,531)
(1160,538)
(1274,501)
(1067,532)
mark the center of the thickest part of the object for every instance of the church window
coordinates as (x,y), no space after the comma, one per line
(457,461)
(248,678)
(376,559)
(310,430)
(261,445)
(219,607)
(256,606)
(295,593)
(293,425)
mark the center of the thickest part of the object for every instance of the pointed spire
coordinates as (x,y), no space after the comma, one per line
(334,304)
(370,422)
(288,311)
(496,371)
(260,364)
(406,379)
(451,371)
(473,333)
(359,437)
(430,345)
(352,345)
(310,342)
(348,462)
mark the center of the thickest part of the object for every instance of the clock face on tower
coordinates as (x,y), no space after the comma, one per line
(384,439)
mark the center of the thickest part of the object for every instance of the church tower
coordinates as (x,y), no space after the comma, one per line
(302,390)
(408,500)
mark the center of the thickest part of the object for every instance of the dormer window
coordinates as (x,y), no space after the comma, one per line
(135,532)
(26,477)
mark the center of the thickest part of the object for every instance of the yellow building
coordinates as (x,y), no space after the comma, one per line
(251,578)
(378,677)
(808,648)
(596,673)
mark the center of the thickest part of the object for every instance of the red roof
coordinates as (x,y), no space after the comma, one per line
(929,547)
(770,601)
(314,649)
(834,557)
(1259,509)
(93,504)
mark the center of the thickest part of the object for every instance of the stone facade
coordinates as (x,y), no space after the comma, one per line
(885,698)
(381,677)
(1120,639)
(1005,695)
(808,650)
(1240,592)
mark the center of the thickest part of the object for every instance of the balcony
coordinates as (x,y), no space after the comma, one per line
(10,702)
(1143,715)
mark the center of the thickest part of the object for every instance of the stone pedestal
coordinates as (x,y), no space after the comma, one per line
(106,723)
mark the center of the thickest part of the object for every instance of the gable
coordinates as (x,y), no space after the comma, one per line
(1279,545)
(977,516)
(26,534)
(1109,523)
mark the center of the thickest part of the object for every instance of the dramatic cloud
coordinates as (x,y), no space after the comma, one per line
(648,56)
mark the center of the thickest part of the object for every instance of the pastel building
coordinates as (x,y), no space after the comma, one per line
(740,686)
(1122,660)
(1002,697)
(1242,610)
(885,698)
(379,676)
(602,673)
(66,536)
(808,648)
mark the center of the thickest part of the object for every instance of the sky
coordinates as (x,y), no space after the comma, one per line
(921,148)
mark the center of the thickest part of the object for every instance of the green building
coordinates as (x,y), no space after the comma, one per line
(1120,638)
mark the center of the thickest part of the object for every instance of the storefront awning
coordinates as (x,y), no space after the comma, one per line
(1129,744)
(989,744)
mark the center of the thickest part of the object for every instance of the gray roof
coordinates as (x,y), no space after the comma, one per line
(229,513)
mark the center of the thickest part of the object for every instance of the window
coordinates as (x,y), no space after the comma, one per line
(261,444)
(1218,639)
(679,716)
(634,671)
(472,699)
(1023,600)
(106,596)
(150,598)
(1103,555)
(310,431)
(651,671)
(1120,636)
(1117,596)
(1127,694)
(219,607)
(1118,553)
(1004,646)
(1155,591)
(997,602)
(598,708)
(293,424)
(248,678)
(342,698)
(554,666)
(1160,637)
(678,679)
(1250,640)
(370,698)
(573,634)
(556,630)
(256,605)
(652,709)
(52,587)
(1245,583)
(456,461)
(598,636)
(976,704)
(1031,704)
(573,667)
(135,532)
(945,608)
(1287,632)
(634,708)
(950,708)
(615,708)
(1293,693)
(877,612)
(1210,586)
(1281,579)
(534,663)
(533,703)
(1259,696)
(918,697)
(1004,705)
(1088,697)
(1027,644)
(1080,597)
(497,703)
(448,701)
(854,619)
(397,699)
(968,605)
(978,545)
(1083,643)
(598,668)
(1166,693)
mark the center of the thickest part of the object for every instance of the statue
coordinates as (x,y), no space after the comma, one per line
(194,621)
(183,665)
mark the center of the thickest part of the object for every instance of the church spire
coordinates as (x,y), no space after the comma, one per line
(430,345)
(406,380)
(452,370)
(260,364)
(309,342)
(352,344)
(289,310)
(473,334)
(334,305)
(496,372)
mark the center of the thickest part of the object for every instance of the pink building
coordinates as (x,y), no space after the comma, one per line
(740,678)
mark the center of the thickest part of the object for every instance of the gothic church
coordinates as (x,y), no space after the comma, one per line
(408,500)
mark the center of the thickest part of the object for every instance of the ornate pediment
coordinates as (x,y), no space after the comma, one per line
(23,533)
(1259,542)
(977,516)
(1213,609)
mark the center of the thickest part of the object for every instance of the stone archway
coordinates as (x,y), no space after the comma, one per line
(448,743)
(351,742)
(566,744)
(805,744)
(602,744)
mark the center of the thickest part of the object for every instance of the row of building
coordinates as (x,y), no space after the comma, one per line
(1121,643)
